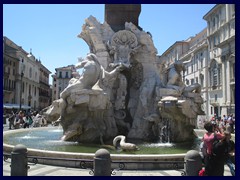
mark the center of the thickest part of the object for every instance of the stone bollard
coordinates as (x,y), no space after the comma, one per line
(193,163)
(102,163)
(19,162)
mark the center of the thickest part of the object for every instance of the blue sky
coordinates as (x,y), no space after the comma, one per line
(51,30)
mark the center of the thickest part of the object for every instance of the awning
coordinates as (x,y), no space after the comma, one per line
(15,106)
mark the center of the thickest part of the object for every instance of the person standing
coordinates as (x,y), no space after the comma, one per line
(19,120)
(209,137)
(28,121)
(221,155)
(230,122)
(225,119)
(11,120)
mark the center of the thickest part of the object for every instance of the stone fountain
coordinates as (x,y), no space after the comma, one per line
(125,90)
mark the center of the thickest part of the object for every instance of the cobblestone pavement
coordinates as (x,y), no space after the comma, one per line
(47,170)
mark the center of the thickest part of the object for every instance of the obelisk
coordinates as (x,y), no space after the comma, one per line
(117,14)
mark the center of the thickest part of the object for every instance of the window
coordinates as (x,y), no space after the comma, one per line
(30,72)
(202,79)
(60,74)
(66,75)
(208,27)
(29,90)
(13,84)
(192,81)
(223,58)
(5,83)
(217,20)
(210,43)
(219,76)
(215,74)
(23,87)
(213,22)
(9,84)
(232,89)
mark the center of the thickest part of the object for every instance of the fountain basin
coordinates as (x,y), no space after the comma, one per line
(131,161)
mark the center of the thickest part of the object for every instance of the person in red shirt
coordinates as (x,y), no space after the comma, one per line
(213,133)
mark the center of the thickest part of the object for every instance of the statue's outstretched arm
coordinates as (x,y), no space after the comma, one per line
(81,64)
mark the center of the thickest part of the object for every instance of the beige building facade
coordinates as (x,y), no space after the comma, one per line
(209,58)
(221,45)
(61,79)
(45,98)
(22,79)
(197,65)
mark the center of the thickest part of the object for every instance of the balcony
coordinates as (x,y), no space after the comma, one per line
(7,88)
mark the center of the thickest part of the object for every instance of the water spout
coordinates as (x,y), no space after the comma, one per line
(165,131)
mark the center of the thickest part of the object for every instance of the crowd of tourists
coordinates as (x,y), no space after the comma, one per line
(217,147)
(26,119)
(226,122)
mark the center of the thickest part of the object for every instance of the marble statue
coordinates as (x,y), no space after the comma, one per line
(89,77)
(123,45)
(123,91)
(174,79)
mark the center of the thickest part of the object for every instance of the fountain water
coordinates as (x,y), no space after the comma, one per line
(165,132)
(50,138)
